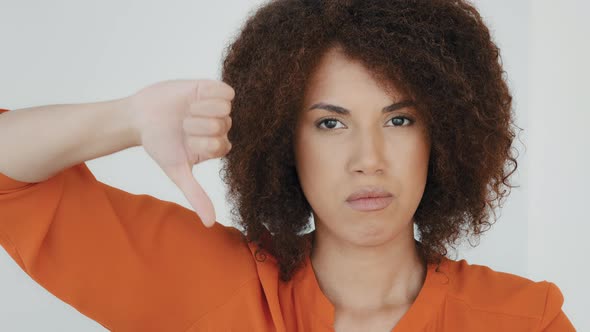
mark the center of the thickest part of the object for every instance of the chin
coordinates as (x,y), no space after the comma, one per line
(372,233)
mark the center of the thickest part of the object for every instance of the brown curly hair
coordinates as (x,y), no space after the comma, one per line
(439,52)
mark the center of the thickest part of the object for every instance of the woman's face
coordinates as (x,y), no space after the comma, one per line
(337,154)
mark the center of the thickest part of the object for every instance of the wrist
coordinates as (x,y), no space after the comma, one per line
(125,109)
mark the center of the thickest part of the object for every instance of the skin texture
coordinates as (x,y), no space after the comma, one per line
(346,152)
(438,53)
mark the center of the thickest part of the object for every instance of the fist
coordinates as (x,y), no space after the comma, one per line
(182,123)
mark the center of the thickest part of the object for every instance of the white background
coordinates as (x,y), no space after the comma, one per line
(67,51)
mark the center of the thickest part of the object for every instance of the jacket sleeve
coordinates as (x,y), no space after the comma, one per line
(554,319)
(130,262)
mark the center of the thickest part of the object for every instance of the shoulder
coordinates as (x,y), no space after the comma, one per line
(480,288)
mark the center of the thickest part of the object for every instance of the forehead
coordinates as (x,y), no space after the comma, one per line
(338,76)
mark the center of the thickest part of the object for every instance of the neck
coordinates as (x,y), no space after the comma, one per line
(368,278)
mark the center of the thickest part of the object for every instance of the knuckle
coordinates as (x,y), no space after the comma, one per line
(226,105)
(216,127)
(225,125)
(215,145)
(230,92)
(210,107)
(223,107)
(228,144)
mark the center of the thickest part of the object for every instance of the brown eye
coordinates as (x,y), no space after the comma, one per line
(330,123)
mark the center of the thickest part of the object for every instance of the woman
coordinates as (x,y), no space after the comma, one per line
(371,116)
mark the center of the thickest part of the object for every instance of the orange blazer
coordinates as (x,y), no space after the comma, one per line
(136,263)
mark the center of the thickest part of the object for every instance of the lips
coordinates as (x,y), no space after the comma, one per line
(370,204)
(368,192)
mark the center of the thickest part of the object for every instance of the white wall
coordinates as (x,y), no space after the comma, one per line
(559,151)
(68,51)
(542,232)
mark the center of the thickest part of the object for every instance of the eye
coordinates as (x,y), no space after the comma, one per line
(331,121)
(398,122)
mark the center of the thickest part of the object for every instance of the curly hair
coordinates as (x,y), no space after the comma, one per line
(439,52)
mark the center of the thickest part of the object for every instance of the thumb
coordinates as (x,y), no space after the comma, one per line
(182,176)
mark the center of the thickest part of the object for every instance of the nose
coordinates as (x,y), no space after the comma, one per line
(369,155)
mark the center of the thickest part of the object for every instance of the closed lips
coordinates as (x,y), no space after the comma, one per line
(369,192)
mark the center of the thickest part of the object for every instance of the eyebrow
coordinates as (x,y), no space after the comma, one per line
(344,111)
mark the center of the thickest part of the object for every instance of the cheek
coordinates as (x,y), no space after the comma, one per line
(317,168)
(411,170)
(315,163)
(410,152)
(413,163)
(314,155)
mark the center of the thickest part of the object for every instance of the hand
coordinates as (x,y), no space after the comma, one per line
(182,123)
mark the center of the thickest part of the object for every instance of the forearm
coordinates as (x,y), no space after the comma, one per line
(38,142)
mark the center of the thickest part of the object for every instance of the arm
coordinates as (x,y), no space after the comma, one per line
(554,319)
(179,123)
(130,262)
(38,142)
